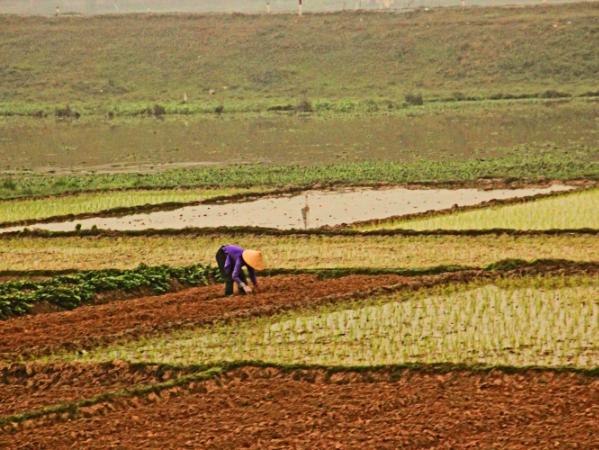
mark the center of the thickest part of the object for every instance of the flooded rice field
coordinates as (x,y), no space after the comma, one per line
(309,209)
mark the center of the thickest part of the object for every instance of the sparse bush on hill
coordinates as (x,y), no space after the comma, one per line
(554,94)
(66,113)
(158,110)
(9,184)
(414,99)
(304,106)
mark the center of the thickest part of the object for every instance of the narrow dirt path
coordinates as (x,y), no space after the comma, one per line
(92,325)
(260,408)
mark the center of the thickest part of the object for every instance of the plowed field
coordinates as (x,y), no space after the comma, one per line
(31,387)
(92,325)
(268,408)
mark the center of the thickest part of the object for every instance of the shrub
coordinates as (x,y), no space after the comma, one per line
(9,184)
(304,106)
(414,99)
(66,113)
(553,94)
(158,110)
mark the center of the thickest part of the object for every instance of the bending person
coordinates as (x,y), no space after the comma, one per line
(231,259)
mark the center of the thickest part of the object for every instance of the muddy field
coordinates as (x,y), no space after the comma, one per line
(309,209)
(269,408)
(92,325)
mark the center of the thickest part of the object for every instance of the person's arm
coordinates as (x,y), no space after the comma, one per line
(252,274)
(236,275)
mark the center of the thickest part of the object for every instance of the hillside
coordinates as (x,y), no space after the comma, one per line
(101,61)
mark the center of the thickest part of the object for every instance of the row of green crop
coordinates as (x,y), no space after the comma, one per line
(524,164)
(71,291)
(279,105)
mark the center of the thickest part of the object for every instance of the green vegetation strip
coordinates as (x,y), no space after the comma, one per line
(570,211)
(550,321)
(534,166)
(19,211)
(71,291)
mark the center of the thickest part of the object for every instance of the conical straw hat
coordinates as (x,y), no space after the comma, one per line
(253,258)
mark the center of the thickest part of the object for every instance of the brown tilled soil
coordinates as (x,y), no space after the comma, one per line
(92,325)
(267,408)
(35,386)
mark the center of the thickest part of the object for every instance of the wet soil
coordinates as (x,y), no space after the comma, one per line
(92,325)
(261,408)
(309,209)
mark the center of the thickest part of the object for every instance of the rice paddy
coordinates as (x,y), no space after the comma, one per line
(94,202)
(573,211)
(551,322)
(421,320)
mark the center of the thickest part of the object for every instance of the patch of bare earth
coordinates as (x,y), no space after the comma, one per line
(259,408)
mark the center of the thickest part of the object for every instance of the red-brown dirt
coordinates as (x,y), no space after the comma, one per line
(35,386)
(92,325)
(268,408)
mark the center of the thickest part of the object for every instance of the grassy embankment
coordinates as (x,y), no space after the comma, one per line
(290,252)
(541,321)
(251,63)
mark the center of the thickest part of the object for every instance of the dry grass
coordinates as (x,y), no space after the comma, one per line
(144,59)
(291,252)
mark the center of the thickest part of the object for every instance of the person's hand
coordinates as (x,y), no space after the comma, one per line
(247,289)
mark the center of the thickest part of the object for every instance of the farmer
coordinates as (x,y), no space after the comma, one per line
(231,259)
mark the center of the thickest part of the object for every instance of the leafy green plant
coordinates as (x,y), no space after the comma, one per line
(71,291)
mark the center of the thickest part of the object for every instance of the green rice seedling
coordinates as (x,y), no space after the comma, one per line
(572,211)
(511,322)
(84,203)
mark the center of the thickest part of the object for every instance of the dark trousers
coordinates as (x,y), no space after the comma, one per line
(221,258)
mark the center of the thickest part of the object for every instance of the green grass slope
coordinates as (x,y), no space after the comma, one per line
(99,62)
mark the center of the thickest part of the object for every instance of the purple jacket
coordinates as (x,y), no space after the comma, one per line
(235,261)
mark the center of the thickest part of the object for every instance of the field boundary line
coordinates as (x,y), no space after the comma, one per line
(259,231)
(484,182)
